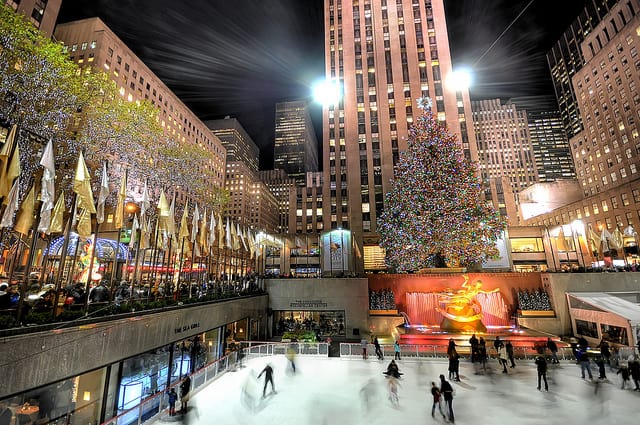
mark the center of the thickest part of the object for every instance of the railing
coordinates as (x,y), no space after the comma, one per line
(432,351)
(151,407)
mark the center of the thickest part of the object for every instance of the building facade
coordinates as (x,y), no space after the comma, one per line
(296,145)
(91,44)
(239,145)
(504,145)
(279,183)
(607,151)
(550,146)
(384,55)
(565,58)
(41,13)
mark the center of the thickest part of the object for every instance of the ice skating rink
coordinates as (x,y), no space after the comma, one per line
(332,391)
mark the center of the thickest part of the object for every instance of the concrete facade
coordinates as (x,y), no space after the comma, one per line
(40,358)
(350,295)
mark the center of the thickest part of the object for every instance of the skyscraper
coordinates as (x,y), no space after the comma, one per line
(504,145)
(566,58)
(239,145)
(385,54)
(296,146)
(550,146)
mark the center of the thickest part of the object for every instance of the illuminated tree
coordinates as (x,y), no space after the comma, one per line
(435,208)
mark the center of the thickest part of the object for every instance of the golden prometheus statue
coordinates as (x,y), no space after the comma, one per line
(462,312)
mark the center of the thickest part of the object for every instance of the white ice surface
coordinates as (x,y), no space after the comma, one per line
(328,391)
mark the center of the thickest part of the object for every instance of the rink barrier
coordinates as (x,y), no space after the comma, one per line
(154,407)
(433,351)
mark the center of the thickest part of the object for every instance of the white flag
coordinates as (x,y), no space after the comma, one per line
(102,196)
(194,224)
(228,235)
(134,230)
(212,229)
(145,203)
(12,206)
(47,193)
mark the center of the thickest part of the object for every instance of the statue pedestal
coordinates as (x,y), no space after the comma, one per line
(433,270)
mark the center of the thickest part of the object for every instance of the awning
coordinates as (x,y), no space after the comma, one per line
(611,303)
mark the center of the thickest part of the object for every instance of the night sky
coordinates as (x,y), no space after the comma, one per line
(240,57)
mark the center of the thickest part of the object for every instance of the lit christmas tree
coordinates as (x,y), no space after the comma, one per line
(435,209)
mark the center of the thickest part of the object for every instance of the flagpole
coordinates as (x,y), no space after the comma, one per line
(181,264)
(41,280)
(91,260)
(63,255)
(166,274)
(27,272)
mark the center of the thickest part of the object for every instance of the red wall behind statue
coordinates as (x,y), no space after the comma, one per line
(400,284)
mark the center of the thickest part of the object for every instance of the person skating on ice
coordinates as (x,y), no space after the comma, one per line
(553,348)
(454,366)
(541,364)
(393,370)
(268,378)
(396,349)
(376,344)
(509,348)
(503,357)
(473,341)
(447,392)
(437,400)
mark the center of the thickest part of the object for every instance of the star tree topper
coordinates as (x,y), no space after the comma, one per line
(424,102)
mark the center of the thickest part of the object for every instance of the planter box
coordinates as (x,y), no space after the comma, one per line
(383,312)
(536,313)
(431,270)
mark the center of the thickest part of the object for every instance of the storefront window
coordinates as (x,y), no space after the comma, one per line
(527,245)
(585,328)
(323,323)
(143,376)
(615,334)
(75,401)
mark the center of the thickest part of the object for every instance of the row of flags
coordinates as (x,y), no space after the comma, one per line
(206,229)
(606,239)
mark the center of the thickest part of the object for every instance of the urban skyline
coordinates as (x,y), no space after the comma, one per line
(243,66)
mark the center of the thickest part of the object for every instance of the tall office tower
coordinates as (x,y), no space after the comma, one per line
(565,59)
(307,215)
(550,147)
(279,183)
(91,44)
(296,146)
(263,213)
(607,151)
(385,54)
(239,145)
(41,13)
(504,145)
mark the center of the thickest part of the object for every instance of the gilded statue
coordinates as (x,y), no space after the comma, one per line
(462,311)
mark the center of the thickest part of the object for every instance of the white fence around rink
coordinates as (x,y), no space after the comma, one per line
(153,407)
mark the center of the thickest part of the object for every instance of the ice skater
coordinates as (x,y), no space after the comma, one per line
(363,344)
(503,357)
(625,374)
(585,364)
(185,387)
(393,370)
(435,392)
(541,364)
(393,384)
(268,378)
(454,365)
(376,344)
(509,348)
(553,348)
(447,392)
(291,356)
(173,397)
(396,349)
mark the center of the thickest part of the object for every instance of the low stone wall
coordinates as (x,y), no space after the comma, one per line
(33,360)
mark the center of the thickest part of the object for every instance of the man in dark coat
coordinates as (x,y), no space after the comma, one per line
(541,364)
(99,294)
(634,368)
(473,341)
(376,344)
(447,392)
(509,348)
(553,348)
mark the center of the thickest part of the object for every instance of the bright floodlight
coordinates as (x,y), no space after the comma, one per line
(460,79)
(327,92)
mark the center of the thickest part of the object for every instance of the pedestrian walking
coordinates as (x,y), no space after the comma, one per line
(503,357)
(376,344)
(509,348)
(435,392)
(447,392)
(173,397)
(396,349)
(553,348)
(541,364)
(268,378)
